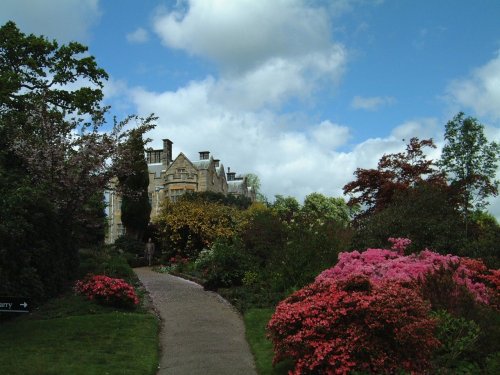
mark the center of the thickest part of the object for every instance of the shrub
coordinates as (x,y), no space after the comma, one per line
(383,264)
(458,337)
(353,325)
(223,265)
(107,291)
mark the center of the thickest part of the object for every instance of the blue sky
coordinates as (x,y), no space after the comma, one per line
(299,92)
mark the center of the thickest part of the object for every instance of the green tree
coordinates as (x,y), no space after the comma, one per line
(253,181)
(323,208)
(426,214)
(470,163)
(286,207)
(135,206)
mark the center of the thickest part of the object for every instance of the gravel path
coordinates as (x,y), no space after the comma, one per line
(201,332)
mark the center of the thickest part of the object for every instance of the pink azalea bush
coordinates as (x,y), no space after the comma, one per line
(383,264)
(107,291)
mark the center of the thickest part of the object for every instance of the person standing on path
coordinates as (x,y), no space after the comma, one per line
(149,251)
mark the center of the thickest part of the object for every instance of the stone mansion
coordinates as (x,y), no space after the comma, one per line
(169,179)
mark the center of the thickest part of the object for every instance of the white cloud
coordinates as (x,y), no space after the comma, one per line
(242,34)
(278,79)
(421,128)
(139,35)
(64,20)
(480,91)
(371,103)
(267,52)
(330,136)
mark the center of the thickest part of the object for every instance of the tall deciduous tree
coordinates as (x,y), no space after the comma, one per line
(135,207)
(470,163)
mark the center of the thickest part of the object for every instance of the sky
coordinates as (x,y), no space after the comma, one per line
(298,92)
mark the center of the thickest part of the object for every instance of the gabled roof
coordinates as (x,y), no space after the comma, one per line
(179,157)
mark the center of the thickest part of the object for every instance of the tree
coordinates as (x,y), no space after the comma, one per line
(426,214)
(286,207)
(373,189)
(321,208)
(470,163)
(54,158)
(253,181)
(187,226)
(135,207)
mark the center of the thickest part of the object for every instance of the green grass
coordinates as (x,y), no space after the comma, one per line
(70,335)
(262,349)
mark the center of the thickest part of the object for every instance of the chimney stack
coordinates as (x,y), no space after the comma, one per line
(204,155)
(166,158)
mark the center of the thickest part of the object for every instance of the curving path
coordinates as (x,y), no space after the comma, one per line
(201,332)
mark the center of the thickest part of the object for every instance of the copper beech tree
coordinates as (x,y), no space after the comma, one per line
(373,189)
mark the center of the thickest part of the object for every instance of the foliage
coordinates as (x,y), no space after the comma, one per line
(484,239)
(326,209)
(107,291)
(135,206)
(101,261)
(239,201)
(263,234)
(425,213)
(186,227)
(373,189)
(311,246)
(458,337)
(287,208)
(223,265)
(339,327)
(470,163)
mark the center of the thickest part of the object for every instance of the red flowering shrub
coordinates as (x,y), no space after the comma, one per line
(370,312)
(355,324)
(107,291)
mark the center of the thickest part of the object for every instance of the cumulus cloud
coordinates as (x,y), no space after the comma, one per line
(371,103)
(139,35)
(422,128)
(480,90)
(64,20)
(267,52)
(244,33)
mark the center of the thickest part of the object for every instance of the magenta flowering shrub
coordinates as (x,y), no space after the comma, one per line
(107,291)
(383,264)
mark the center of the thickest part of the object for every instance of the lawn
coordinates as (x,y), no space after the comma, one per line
(262,349)
(71,335)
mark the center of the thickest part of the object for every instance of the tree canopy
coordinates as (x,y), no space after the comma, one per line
(373,189)
(470,163)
